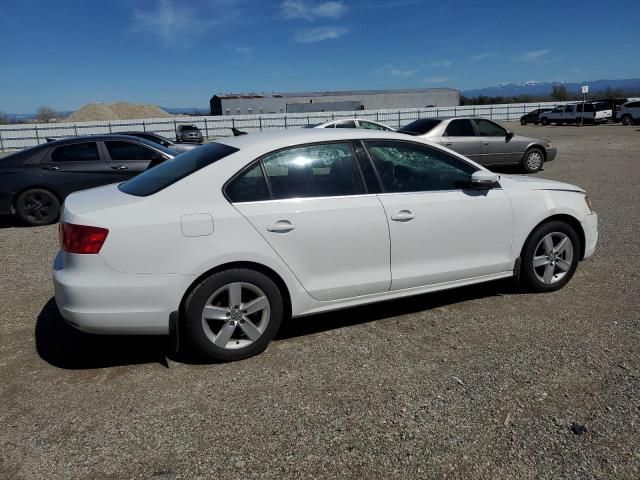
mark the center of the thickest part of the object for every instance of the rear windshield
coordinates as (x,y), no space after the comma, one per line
(169,172)
(421,126)
(188,127)
(602,106)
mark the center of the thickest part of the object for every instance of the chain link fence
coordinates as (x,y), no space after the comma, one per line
(15,137)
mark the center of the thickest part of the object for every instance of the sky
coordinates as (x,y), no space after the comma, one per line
(178,53)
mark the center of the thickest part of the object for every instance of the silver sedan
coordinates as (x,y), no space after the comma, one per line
(484,141)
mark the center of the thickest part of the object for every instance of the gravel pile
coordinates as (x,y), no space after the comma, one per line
(116,111)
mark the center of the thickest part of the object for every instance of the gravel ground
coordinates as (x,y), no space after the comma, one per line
(481,382)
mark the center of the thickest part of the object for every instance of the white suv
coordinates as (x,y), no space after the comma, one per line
(629,113)
(596,112)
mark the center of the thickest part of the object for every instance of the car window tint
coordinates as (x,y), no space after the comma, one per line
(313,171)
(487,128)
(346,124)
(460,128)
(370,125)
(249,186)
(407,167)
(77,152)
(122,151)
(171,171)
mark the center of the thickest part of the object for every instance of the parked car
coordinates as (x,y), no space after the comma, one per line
(188,134)
(578,113)
(353,123)
(34,182)
(484,141)
(614,104)
(160,140)
(533,116)
(630,113)
(223,242)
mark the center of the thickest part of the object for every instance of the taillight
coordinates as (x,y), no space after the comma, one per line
(82,238)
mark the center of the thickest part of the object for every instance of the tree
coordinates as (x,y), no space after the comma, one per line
(3,119)
(45,114)
(559,93)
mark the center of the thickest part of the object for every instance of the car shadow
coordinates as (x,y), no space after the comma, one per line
(10,221)
(64,347)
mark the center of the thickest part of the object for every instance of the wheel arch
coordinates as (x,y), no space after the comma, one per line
(573,222)
(258,267)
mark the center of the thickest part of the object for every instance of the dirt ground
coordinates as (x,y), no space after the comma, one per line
(479,382)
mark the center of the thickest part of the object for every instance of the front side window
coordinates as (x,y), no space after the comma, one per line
(346,124)
(171,171)
(568,109)
(408,167)
(370,125)
(78,152)
(460,128)
(487,128)
(123,151)
(313,171)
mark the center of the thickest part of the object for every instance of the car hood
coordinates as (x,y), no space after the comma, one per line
(522,182)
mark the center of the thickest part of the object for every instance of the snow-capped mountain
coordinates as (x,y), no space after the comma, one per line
(533,87)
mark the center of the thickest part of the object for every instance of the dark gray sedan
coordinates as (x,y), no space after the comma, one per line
(484,141)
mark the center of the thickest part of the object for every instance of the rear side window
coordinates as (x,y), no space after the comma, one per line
(78,152)
(370,125)
(460,128)
(346,124)
(421,126)
(249,186)
(601,106)
(123,151)
(313,171)
(169,172)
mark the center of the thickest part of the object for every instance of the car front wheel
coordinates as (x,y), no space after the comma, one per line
(533,160)
(37,206)
(627,120)
(523,121)
(233,314)
(550,257)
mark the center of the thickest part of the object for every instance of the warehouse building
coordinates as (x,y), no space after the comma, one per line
(247,104)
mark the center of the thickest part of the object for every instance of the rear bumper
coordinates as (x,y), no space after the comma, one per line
(94,298)
(590,228)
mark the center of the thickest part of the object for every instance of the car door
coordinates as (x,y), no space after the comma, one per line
(461,137)
(74,166)
(318,217)
(569,113)
(441,230)
(497,146)
(128,158)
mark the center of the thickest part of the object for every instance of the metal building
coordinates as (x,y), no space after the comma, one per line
(243,104)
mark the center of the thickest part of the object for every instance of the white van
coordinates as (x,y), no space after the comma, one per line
(591,112)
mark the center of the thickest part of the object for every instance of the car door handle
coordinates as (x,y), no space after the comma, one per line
(119,167)
(403,216)
(51,168)
(281,226)
(485,143)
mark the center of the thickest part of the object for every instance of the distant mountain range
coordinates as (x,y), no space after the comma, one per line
(544,88)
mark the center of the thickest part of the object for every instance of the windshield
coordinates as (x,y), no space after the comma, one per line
(169,172)
(421,126)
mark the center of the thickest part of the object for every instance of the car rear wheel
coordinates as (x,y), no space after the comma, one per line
(37,206)
(627,120)
(233,314)
(545,121)
(550,257)
(533,160)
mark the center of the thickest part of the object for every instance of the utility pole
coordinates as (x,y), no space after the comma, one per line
(585,90)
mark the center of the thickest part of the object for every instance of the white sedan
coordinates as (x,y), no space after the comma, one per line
(354,123)
(225,241)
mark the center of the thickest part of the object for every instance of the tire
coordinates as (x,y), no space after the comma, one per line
(231,332)
(554,268)
(627,120)
(532,160)
(536,123)
(523,121)
(544,121)
(37,206)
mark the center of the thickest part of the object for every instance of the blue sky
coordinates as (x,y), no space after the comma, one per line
(64,53)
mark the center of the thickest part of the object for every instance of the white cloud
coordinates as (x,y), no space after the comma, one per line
(436,80)
(246,51)
(482,56)
(533,55)
(440,64)
(175,23)
(312,35)
(395,71)
(308,11)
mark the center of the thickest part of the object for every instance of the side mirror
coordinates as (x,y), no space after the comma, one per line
(510,135)
(484,180)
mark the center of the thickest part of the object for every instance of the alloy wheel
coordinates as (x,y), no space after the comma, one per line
(39,207)
(236,315)
(553,257)
(534,161)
